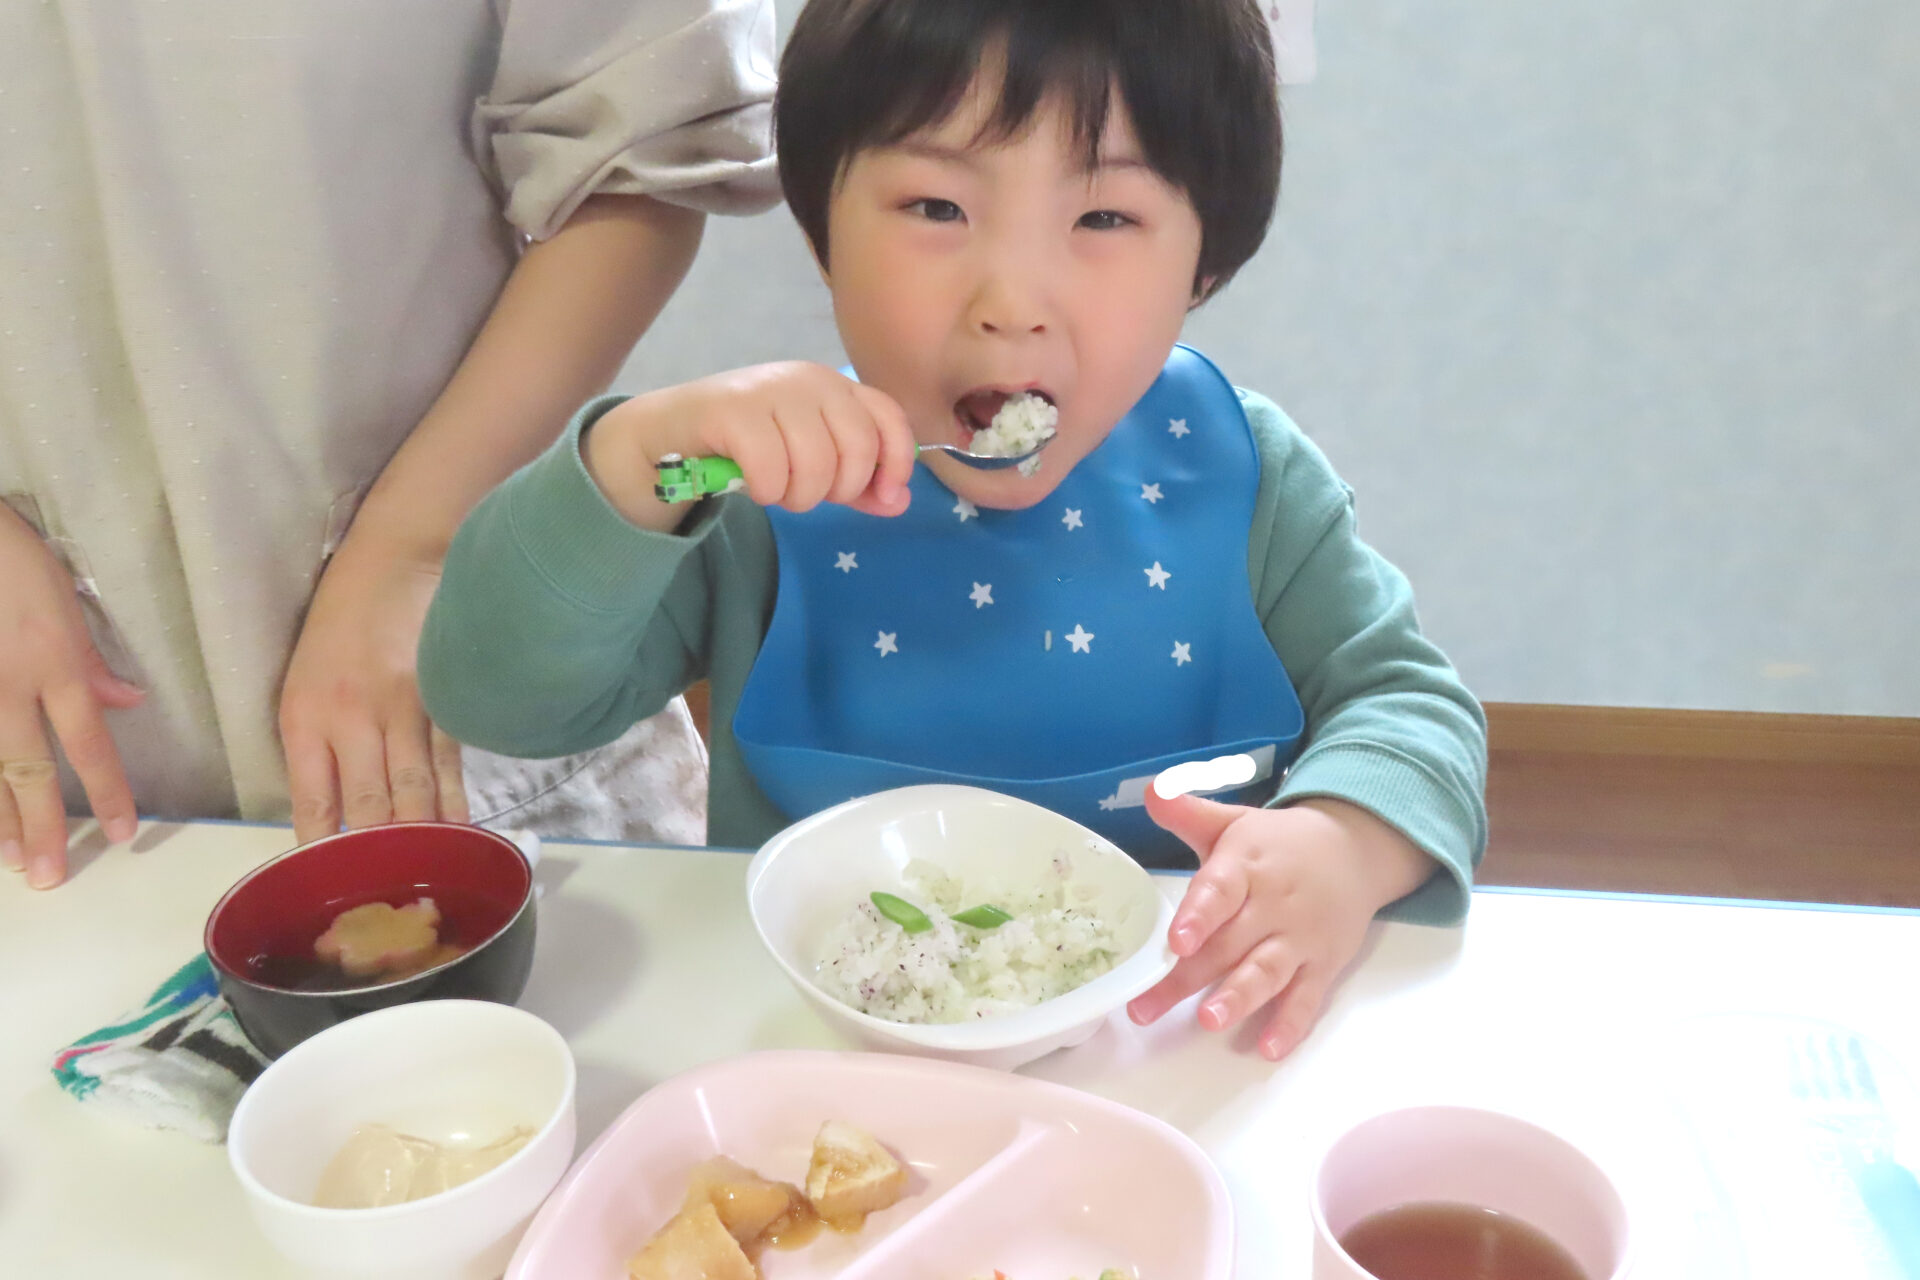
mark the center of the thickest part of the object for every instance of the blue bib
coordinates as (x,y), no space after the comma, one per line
(1064,654)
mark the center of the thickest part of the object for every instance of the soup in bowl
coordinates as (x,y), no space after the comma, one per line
(367,919)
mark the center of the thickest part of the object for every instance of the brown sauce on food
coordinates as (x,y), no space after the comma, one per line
(797,1227)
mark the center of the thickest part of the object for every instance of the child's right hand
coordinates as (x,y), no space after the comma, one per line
(800,433)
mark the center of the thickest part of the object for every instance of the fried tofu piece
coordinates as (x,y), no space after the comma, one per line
(852,1175)
(379,937)
(749,1205)
(694,1245)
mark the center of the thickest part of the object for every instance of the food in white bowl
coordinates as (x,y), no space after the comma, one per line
(379,1166)
(459,1074)
(804,881)
(929,959)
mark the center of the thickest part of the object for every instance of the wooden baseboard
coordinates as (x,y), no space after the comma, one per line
(1703,735)
(1719,804)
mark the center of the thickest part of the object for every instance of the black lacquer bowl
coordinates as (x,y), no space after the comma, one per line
(260,935)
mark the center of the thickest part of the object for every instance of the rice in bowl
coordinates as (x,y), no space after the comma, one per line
(953,972)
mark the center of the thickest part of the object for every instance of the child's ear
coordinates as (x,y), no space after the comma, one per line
(1202,290)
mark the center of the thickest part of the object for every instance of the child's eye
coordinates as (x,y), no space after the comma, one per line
(1105,220)
(934,209)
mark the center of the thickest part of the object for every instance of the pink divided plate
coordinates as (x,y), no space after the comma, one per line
(1035,1179)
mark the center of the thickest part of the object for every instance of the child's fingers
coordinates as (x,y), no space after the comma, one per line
(1295,1014)
(894,468)
(811,455)
(1214,896)
(872,505)
(1196,972)
(1198,822)
(856,442)
(761,455)
(1262,974)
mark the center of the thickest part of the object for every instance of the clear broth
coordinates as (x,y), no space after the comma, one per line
(1436,1241)
(288,962)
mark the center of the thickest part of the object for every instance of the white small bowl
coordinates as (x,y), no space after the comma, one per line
(454,1071)
(803,882)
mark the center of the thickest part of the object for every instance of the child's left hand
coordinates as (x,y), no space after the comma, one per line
(1279,906)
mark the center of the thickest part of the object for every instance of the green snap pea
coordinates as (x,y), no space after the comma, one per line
(984,916)
(902,912)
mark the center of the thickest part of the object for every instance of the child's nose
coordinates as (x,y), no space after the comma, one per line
(1009,301)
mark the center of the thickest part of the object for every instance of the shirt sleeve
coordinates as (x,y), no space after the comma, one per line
(1389,725)
(668,98)
(557,623)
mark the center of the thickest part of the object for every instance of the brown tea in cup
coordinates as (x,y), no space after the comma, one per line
(1438,1240)
(1464,1193)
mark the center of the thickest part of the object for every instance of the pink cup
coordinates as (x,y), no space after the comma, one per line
(1474,1157)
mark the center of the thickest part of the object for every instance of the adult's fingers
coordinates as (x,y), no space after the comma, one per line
(77,722)
(360,752)
(108,688)
(313,781)
(1294,1016)
(28,772)
(449,777)
(414,793)
(13,854)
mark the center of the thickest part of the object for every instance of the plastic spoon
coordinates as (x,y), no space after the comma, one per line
(679,479)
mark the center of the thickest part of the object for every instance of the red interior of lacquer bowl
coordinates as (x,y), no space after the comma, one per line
(479,880)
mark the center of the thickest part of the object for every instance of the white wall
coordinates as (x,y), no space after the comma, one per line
(1608,309)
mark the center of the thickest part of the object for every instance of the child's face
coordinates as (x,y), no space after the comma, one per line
(962,274)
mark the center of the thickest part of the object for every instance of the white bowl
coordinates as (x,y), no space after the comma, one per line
(803,881)
(454,1071)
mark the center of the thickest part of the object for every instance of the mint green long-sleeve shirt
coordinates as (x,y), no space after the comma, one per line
(558,624)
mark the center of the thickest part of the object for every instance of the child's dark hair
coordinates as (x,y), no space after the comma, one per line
(1197,78)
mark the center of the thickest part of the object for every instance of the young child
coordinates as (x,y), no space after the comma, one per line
(1006,196)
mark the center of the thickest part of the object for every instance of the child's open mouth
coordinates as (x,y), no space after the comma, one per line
(997,423)
(976,410)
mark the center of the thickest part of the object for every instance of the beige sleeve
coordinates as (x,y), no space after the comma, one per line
(670,98)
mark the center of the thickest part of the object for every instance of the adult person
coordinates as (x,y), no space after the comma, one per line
(257,254)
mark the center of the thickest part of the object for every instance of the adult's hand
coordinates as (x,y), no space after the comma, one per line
(358,743)
(51,677)
(360,748)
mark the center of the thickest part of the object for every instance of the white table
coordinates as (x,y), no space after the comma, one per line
(1560,1007)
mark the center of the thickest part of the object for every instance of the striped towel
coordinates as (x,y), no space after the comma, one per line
(178,1062)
